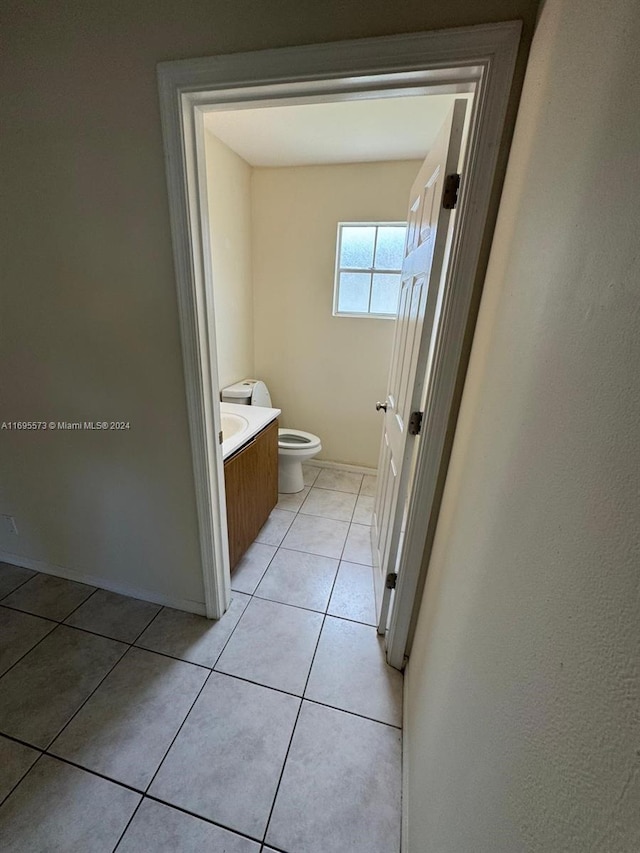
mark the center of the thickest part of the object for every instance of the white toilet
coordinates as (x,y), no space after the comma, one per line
(294,445)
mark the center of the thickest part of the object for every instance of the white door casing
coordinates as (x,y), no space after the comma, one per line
(478,59)
(428,234)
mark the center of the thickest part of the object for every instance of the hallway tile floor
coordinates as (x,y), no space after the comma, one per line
(133,727)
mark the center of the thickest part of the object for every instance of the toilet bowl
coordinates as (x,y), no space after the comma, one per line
(294,448)
(294,445)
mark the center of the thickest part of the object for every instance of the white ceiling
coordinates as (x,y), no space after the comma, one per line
(359,131)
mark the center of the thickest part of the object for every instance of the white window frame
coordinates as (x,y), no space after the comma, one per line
(371,270)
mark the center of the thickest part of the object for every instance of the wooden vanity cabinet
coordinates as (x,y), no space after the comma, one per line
(251,488)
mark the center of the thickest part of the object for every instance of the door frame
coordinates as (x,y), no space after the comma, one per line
(482,58)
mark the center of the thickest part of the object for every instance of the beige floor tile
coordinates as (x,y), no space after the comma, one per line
(273,645)
(226,762)
(315,535)
(357,548)
(117,616)
(58,808)
(190,637)
(126,727)
(363,513)
(276,526)
(310,474)
(292,502)
(157,828)
(329,504)
(15,760)
(350,672)
(19,632)
(12,577)
(342,481)
(303,580)
(353,594)
(247,574)
(48,596)
(41,693)
(369,485)
(340,790)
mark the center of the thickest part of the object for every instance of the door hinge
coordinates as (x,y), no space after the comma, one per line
(220,437)
(415,423)
(390,580)
(450,194)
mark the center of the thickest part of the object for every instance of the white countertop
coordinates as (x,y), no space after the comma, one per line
(256,418)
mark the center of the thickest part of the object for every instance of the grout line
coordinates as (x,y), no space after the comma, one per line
(300,551)
(257,683)
(208,820)
(143,795)
(129,822)
(339,491)
(26,772)
(84,601)
(79,627)
(173,740)
(81,706)
(51,618)
(295,725)
(21,584)
(110,670)
(206,681)
(314,610)
(353,714)
(271,559)
(153,618)
(29,613)
(265,849)
(97,773)
(288,604)
(154,652)
(284,763)
(58,623)
(353,621)
(140,792)
(306,699)
(22,657)
(106,636)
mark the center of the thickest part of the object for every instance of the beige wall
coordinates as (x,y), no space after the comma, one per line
(324,372)
(88,304)
(229,194)
(524,687)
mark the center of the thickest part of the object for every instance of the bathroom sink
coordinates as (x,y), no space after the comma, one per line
(241,423)
(232,425)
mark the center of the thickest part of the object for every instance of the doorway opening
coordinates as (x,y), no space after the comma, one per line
(476,63)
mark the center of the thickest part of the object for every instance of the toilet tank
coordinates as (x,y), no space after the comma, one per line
(246,393)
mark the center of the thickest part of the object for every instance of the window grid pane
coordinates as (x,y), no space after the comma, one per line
(389,247)
(385,290)
(357,246)
(354,294)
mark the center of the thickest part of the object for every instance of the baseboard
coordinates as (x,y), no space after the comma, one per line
(404,828)
(355,469)
(102,583)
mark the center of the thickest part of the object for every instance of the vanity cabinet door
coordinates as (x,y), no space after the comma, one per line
(251,488)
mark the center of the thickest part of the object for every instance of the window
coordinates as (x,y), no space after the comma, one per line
(368,263)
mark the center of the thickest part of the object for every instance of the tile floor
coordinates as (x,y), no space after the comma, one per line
(132,727)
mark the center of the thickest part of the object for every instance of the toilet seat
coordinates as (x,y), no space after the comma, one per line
(297,439)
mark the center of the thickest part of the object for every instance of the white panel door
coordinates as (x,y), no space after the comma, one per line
(416,326)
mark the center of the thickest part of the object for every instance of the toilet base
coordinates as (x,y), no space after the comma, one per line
(290,477)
